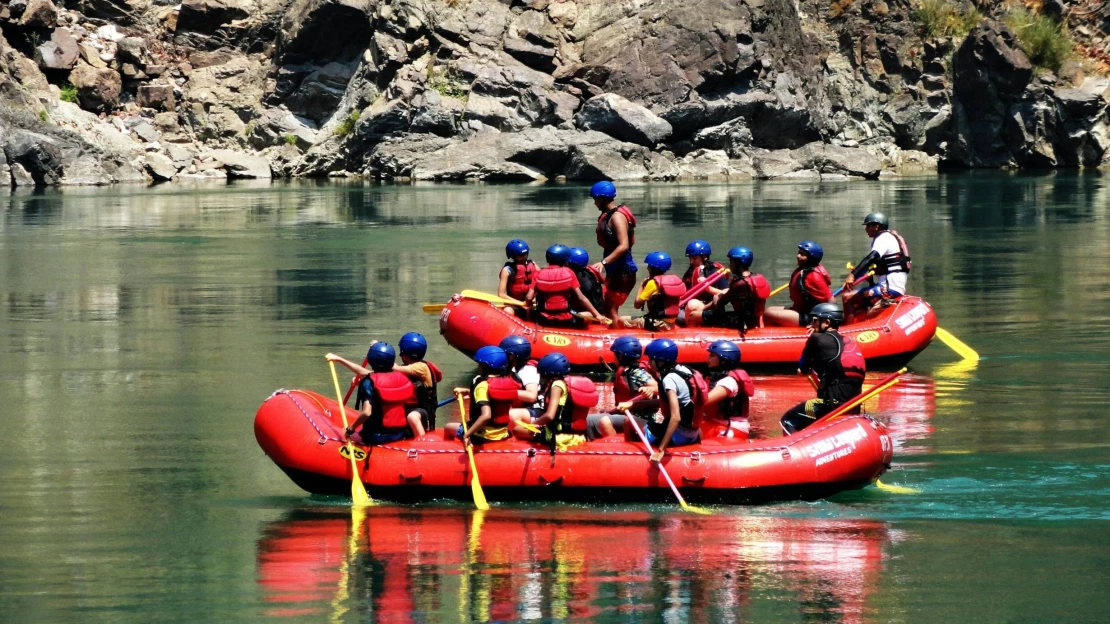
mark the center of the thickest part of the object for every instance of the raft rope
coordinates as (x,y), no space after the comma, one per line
(695,454)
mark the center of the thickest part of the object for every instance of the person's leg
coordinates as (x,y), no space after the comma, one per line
(450,430)
(801,416)
(518,416)
(416,423)
(617,288)
(692,314)
(781,317)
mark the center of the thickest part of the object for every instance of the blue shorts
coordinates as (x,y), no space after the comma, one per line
(874,293)
(382,438)
(676,440)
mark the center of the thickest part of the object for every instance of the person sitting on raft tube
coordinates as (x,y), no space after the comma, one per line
(518,274)
(632,383)
(590,279)
(616,234)
(809,286)
(493,392)
(889,258)
(678,421)
(700,269)
(835,360)
(386,400)
(726,405)
(519,351)
(747,294)
(556,286)
(424,375)
(568,399)
(659,294)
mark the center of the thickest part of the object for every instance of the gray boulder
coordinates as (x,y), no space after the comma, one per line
(39,15)
(205,16)
(160,167)
(37,155)
(157,96)
(240,165)
(623,120)
(61,52)
(97,89)
(834,160)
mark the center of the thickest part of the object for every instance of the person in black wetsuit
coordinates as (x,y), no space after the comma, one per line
(835,361)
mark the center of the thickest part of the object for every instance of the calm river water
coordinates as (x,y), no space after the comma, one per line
(140,329)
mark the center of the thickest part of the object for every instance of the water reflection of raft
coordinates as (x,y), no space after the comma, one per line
(888,341)
(299,432)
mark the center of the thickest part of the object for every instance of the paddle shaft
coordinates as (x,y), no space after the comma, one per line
(885,383)
(696,290)
(354,382)
(475,485)
(647,448)
(839,290)
(359,495)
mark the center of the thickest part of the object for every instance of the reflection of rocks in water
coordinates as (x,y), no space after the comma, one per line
(482,566)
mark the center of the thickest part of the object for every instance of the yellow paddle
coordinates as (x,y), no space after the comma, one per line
(957,345)
(778,290)
(631,422)
(359,497)
(475,484)
(895,489)
(481,296)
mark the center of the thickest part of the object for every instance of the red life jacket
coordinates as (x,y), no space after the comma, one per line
(622,391)
(521,277)
(690,279)
(731,407)
(748,296)
(554,289)
(581,396)
(427,397)
(394,394)
(503,396)
(692,415)
(896,262)
(669,291)
(801,296)
(606,237)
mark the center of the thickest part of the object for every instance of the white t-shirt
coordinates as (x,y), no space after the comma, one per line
(886,244)
(729,384)
(528,375)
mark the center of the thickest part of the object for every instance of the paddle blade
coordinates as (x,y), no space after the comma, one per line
(957,345)
(359,496)
(434,308)
(476,489)
(895,489)
(695,509)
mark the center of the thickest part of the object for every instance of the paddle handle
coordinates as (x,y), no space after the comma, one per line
(647,449)
(861,278)
(696,290)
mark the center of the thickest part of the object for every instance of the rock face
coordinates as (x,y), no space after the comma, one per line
(621,119)
(97,89)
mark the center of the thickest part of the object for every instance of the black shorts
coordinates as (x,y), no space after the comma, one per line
(715,317)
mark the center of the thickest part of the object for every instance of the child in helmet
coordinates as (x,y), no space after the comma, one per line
(567,400)
(659,294)
(590,278)
(809,286)
(632,383)
(493,392)
(726,405)
(616,234)
(700,269)
(518,275)
(424,375)
(555,288)
(386,399)
(519,350)
(747,294)
(676,424)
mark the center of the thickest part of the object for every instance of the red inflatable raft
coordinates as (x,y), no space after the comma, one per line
(302,434)
(888,341)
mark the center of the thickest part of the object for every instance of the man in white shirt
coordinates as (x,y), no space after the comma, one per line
(889,258)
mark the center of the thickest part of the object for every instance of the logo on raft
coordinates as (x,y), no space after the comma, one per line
(359,453)
(556,341)
(913,320)
(867,336)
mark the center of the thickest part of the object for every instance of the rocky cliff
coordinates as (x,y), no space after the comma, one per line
(100,91)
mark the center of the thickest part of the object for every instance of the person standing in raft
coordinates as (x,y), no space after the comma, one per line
(493,392)
(677,422)
(701,268)
(386,399)
(568,399)
(590,279)
(632,384)
(839,367)
(890,259)
(518,275)
(555,288)
(659,294)
(747,293)
(616,233)
(726,405)
(809,286)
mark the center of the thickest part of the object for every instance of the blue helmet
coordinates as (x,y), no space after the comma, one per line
(627,347)
(604,188)
(381,357)
(658,260)
(726,350)
(516,247)
(558,254)
(813,250)
(578,257)
(698,248)
(493,358)
(517,346)
(553,365)
(741,254)
(662,349)
(413,344)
